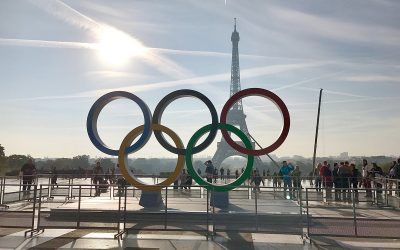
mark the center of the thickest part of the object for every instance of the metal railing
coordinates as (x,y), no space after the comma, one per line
(305,204)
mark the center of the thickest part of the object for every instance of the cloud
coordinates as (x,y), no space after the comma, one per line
(337,29)
(371,78)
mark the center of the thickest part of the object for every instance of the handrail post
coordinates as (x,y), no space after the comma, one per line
(308,219)
(40,207)
(78,224)
(256,204)
(166,208)
(354,214)
(126,191)
(208,208)
(386,192)
(33,209)
(213,213)
(1,190)
(20,185)
(49,188)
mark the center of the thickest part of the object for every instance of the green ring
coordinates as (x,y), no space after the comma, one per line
(219,188)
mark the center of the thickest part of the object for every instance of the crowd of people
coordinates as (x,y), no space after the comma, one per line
(337,179)
(340,179)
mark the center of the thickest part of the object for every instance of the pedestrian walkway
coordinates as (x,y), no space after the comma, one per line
(90,239)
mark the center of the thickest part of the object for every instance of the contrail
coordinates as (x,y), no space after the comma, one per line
(246,73)
(306,81)
(46,44)
(68,14)
(159,51)
(76,18)
(336,92)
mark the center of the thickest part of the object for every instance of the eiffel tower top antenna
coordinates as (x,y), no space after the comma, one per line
(235,69)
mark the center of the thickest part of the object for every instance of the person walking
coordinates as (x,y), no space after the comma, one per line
(97,178)
(28,173)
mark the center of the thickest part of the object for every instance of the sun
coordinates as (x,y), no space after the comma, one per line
(116,48)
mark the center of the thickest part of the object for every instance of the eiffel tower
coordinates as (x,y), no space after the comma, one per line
(236,115)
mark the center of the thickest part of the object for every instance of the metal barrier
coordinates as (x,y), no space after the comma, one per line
(354,215)
(251,210)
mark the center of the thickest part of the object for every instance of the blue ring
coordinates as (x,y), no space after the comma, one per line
(91,123)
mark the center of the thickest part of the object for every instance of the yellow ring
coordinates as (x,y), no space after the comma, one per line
(122,159)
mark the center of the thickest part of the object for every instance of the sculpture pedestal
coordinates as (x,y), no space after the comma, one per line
(151,199)
(219,199)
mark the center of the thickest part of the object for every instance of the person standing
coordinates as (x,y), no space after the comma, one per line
(236,173)
(215,173)
(120,181)
(336,181)
(355,179)
(209,171)
(28,173)
(345,173)
(366,181)
(54,177)
(256,179)
(326,178)
(318,177)
(286,171)
(222,171)
(376,172)
(183,179)
(296,174)
(228,173)
(97,177)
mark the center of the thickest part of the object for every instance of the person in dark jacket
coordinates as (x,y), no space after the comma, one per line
(376,172)
(355,180)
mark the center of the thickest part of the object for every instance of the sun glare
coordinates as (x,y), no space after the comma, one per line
(116,48)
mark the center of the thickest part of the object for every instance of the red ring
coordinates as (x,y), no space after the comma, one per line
(272,97)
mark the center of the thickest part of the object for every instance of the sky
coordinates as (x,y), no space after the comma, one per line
(58,57)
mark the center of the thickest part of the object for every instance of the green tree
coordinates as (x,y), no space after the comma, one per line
(81,161)
(15,162)
(2,154)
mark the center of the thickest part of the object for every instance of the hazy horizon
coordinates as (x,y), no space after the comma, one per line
(59,57)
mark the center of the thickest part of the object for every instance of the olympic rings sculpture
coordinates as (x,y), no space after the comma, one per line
(151,123)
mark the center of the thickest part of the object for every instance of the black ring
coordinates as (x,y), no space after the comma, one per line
(172,97)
